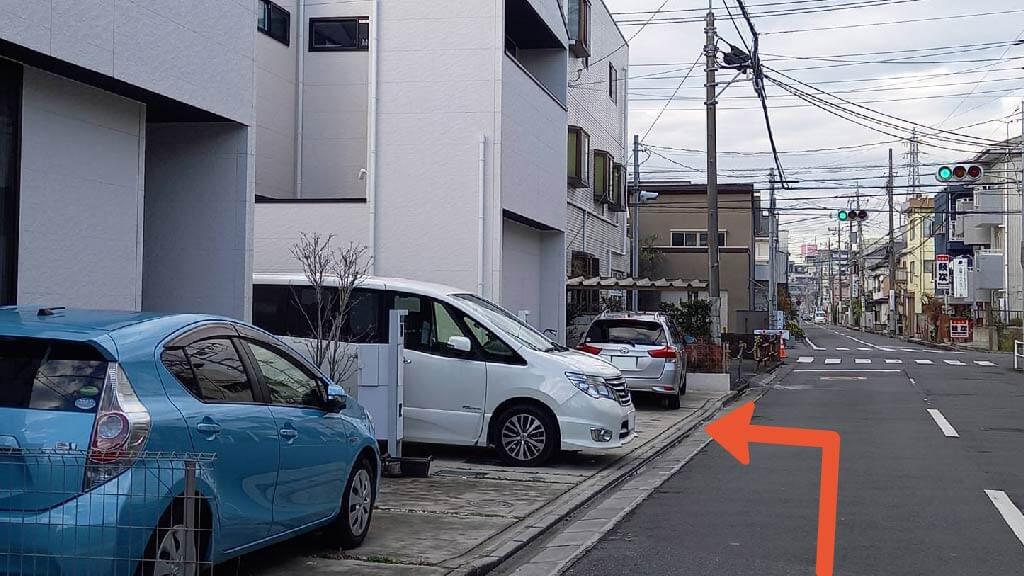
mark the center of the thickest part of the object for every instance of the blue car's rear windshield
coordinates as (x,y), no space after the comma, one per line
(39,374)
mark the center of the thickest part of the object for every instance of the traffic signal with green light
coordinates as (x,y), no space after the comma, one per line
(853,215)
(959,173)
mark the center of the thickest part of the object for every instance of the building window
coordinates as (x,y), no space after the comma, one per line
(579,157)
(582,301)
(339,34)
(613,83)
(273,21)
(602,175)
(578,14)
(694,238)
(929,266)
(10,138)
(618,199)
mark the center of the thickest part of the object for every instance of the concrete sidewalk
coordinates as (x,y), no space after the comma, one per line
(472,512)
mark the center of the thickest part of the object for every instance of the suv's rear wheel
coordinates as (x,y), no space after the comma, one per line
(674,401)
(349,529)
(526,435)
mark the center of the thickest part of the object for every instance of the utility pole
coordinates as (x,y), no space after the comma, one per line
(711,63)
(831,281)
(773,239)
(860,263)
(636,219)
(839,270)
(892,254)
(849,271)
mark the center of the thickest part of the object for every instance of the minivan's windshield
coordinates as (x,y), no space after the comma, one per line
(509,324)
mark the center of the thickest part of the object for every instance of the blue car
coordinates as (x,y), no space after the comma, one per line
(134,443)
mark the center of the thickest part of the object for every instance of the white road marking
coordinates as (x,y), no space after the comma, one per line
(864,349)
(954,363)
(893,361)
(832,360)
(886,349)
(909,349)
(1011,514)
(984,363)
(805,360)
(944,424)
(862,361)
(842,349)
(844,371)
(813,345)
(923,361)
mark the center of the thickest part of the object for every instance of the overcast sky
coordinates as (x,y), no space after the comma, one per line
(979,77)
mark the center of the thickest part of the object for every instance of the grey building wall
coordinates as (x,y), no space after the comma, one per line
(81,195)
(199,214)
(195,51)
(274,102)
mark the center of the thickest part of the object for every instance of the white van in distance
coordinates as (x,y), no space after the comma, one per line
(475,374)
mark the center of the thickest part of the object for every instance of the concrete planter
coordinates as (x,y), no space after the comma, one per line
(708,382)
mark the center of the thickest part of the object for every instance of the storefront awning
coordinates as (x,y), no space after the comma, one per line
(663,284)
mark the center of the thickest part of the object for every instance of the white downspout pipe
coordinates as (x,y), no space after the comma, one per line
(481,239)
(371,160)
(300,78)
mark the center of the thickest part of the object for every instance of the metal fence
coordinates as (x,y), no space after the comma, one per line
(70,512)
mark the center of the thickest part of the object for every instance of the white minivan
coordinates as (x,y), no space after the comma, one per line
(476,375)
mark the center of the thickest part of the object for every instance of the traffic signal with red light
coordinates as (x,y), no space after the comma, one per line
(959,173)
(853,215)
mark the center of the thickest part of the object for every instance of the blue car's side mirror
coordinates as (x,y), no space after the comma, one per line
(337,400)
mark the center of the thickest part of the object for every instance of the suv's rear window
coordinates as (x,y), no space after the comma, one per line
(50,375)
(638,332)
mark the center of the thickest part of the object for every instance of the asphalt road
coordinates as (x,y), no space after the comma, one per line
(911,499)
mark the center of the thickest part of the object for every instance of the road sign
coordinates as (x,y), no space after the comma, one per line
(960,328)
(942,271)
(960,284)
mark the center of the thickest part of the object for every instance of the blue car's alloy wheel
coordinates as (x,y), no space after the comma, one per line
(360,502)
(349,528)
(176,553)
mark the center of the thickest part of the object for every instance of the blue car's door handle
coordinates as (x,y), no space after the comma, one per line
(208,428)
(288,433)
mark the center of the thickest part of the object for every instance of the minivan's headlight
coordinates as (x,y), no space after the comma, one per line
(593,386)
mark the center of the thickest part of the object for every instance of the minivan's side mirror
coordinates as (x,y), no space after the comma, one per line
(460,343)
(337,400)
(550,332)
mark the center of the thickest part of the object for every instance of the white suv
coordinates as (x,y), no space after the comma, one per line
(475,374)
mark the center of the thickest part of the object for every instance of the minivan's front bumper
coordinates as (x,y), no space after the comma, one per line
(582,420)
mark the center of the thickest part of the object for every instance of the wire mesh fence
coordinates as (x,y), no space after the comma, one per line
(71,512)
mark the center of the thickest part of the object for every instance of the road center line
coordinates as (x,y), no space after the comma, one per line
(1011,514)
(944,424)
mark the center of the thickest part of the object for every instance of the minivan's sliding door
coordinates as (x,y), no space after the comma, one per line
(10,148)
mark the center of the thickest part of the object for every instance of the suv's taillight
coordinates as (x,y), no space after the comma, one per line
(667,353)
(120,431)
(589,349)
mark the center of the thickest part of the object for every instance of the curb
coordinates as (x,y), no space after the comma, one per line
(489,555)
(557,567)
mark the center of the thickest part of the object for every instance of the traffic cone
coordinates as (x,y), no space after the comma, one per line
(782,348)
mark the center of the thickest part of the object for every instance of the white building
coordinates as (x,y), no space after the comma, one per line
(598,142)
(126,172)
(432,132)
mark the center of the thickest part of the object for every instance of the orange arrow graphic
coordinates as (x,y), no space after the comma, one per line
(734,432)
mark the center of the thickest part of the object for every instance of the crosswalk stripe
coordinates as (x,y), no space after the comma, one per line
(862,361)
(842,349)
(805,360)
(923,361)
(864,349)
(893,361)
(832,360)
(984,363)
(908,349)
(886,349)
(954,363)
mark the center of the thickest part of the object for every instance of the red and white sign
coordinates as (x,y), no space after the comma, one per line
(942,271)
(959,328)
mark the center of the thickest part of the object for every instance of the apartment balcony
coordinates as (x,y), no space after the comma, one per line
(978,217)
(988,270)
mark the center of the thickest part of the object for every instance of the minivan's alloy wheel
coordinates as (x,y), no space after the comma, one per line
(352,524)
(526,436)
(175,546)
(360,502)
